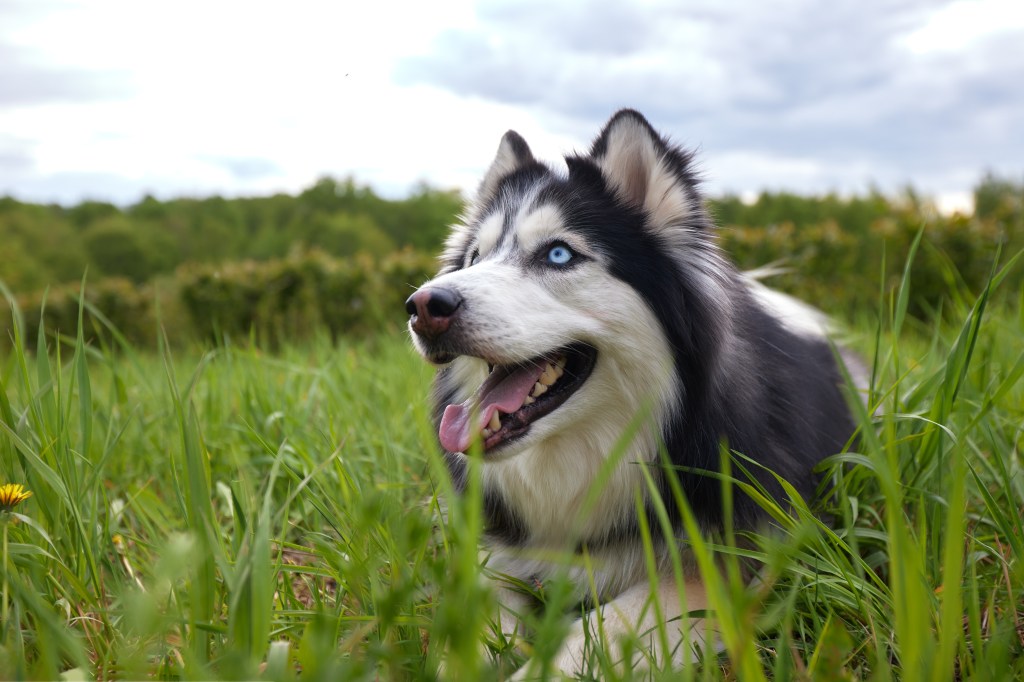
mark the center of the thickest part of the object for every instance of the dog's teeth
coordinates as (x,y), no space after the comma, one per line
(560,363)
(495,423)
(530,400)
(486,433)
(538,390)
(548,376)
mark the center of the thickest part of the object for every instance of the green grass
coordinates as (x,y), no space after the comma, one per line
(238,515)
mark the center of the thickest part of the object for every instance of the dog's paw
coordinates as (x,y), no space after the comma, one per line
(568,663)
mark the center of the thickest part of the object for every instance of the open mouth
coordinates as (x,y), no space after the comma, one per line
(514,396)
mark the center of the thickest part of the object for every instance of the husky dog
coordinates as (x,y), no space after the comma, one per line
(571,306)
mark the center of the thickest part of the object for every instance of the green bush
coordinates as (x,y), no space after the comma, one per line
(270,301)
(841,271)
(111,302)
(289,299)
(344,276)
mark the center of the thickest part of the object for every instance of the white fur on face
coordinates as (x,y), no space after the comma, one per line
(489,233)
(549,481)
(540,226)
(455,244)
(508,317)
(514,312)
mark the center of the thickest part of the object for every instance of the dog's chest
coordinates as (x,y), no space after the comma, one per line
(554,497)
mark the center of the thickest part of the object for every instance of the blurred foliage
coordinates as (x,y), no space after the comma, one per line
(50,245)
(290,298)
(110,302)
(840,253)
(338,255)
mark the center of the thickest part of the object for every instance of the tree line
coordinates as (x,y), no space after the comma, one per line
(337,255)
(51,244)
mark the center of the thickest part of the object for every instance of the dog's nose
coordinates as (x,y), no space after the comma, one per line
(436,303)
(432,310)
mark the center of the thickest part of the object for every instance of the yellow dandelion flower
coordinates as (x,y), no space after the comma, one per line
(11,495)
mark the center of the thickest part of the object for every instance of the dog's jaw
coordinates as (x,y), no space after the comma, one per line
(512,397)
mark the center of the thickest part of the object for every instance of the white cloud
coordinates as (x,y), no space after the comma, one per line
(821,97)
(965,23)
(237,97)
(306,89)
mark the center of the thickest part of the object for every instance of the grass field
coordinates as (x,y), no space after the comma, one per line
(239,515)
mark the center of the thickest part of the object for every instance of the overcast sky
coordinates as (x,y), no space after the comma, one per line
(113,99)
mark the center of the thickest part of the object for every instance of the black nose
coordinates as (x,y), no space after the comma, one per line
(432,310)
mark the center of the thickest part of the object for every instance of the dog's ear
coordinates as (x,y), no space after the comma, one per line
(645,171)
(513,154)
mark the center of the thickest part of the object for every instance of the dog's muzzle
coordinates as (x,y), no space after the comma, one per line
(432,311)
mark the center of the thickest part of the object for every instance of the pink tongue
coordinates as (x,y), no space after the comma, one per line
(505,392)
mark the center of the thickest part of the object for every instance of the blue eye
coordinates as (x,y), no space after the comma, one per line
(560,254)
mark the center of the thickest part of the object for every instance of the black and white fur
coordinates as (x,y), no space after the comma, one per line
(712,354)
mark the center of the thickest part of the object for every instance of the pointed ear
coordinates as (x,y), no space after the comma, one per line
(513,154)
(645,171)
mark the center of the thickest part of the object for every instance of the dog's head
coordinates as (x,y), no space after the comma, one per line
(558,309)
